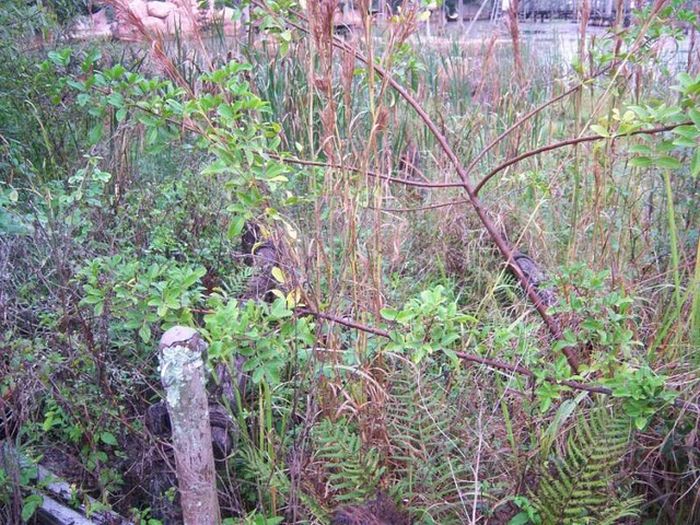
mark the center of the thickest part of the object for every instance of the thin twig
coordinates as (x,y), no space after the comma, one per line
(422,208)
(570,142)
(370,173)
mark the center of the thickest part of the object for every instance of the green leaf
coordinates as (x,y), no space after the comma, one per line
(30,505)
(405,316)
(642,149)
(225,111)
(236,227)
(641,162)
(145,333)
(108,439)
(689,132)
(600,130)
(695,164)
(694,114)
(389,313)
(121,114)
(95,134)
(279,309)
(668,162)
(521,518)
(640,422)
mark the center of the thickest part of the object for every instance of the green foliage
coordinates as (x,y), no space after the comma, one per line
(604,315)
(139,296)
(430,466)
(266,335)
(428,323)
(229,124)
(643,393)
(17,475)
(584,485)
(352,470)
(255,518)
(124,195)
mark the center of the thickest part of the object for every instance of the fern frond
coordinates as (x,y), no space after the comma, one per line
(578,487)
(351,472)
(427,437)
(237,282)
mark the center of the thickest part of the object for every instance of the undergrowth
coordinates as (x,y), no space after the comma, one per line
(395,352)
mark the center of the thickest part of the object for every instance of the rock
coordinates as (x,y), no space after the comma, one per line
(229,19)
(226,14)
(232,27)
(138,8)
(124,31)
(537,278)
(93,26)
(100,18)
(83,27)
(262,254)
(160,9)
(154,24)
(179,22)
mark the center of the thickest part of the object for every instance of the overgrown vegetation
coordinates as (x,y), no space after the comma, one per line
(485,299)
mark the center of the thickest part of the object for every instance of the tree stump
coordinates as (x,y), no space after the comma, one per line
(182,376)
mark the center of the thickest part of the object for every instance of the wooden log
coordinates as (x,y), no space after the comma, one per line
(63,493)
(57,495)
(182,376)
(52,512)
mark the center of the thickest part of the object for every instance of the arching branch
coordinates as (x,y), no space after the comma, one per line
(569,142)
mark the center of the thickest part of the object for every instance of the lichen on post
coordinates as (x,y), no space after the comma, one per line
(182,376)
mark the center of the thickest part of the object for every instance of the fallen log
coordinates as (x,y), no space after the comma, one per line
(62,491)
(56,493)
(52,512)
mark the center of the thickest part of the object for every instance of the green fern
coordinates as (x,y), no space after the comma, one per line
(578,488)
(352,472)
(428,434)
(237,281)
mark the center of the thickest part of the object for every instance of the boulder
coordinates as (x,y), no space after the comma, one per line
(227,13)
(95,25)
(225,18)
(100,18)
(232,28)
(154,24)
(124,31)
(138,8)
(177,21)
(161,9)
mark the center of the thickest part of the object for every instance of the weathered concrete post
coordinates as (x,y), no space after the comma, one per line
(182,375)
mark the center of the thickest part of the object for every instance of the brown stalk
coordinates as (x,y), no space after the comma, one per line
(481,212)
(584,15)
(501,243)
(424,208)
(514,29)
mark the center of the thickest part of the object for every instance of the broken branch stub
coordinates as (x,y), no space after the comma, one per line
(182,375)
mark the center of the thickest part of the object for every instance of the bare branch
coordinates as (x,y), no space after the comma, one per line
(569,142)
